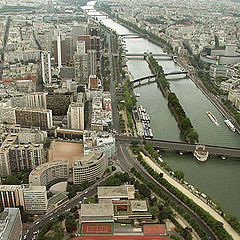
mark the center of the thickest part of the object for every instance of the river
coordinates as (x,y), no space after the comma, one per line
(216,177)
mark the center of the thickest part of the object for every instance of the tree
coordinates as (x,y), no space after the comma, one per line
(112,181)
(47,143)
(11,180)
(179,175)
(70,224)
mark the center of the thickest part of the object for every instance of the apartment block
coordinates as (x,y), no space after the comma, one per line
(27,117)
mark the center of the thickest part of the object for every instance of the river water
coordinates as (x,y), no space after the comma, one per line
(216,177)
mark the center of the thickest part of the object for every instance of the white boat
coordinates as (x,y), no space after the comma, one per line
(230,125)
(212,117)
(137,94)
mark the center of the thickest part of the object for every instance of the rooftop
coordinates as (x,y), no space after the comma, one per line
(57,198)
(38,170)
(7,219)
(96,210)
(124,191)
(139,206)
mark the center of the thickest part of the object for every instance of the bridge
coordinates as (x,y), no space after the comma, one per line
(153,76)
(144,55)
(132,35)
(185,147)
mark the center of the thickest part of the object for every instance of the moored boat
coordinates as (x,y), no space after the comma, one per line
(230,125)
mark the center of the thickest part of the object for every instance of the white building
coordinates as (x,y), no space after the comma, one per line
(89,168)
(75,114)
(32,198)
(10,224)
(49,171)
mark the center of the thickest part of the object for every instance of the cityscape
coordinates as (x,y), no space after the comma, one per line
(119,120)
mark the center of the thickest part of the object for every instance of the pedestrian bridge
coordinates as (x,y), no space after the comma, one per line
(185,147)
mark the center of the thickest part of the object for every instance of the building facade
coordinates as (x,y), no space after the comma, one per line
(89,168)
(48,172)
(27,117)
(10,224)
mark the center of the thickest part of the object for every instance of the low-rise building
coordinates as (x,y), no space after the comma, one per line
(100,212)
(122,192)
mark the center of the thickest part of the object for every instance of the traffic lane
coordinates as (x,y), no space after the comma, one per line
(172,197)
(40,223)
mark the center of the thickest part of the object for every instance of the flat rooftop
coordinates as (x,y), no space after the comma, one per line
(96,210)
(57,198)
(139,206)
(122,238)
(115,192)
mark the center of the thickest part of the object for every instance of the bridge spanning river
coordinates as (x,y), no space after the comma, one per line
(185,147)
(153,76)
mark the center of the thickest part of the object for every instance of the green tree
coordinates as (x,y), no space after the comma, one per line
(179,175)
(11,180)
(112,181)
(70,224)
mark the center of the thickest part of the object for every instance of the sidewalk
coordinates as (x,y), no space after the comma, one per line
(198,201)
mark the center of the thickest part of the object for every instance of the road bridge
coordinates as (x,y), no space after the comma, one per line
(185,147)
(144,55)
(153,76)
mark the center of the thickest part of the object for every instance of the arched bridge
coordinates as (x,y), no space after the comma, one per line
(153,76)
(185,147)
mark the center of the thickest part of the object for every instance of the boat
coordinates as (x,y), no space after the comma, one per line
(137,94)
(212,117)
(230,125)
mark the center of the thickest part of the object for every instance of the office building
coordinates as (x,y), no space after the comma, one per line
(35,198)
(10,224)
(30,100)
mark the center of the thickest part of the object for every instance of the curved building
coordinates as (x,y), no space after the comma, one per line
(48,172)
(90,167)
(227,56)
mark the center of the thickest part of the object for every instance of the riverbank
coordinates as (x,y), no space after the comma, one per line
(221,108)
(198,201)
(184,123)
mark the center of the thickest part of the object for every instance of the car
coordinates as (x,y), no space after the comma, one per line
(84,198)
(86,191)
(80,202)
(51,218)
(27,231)
(35,232)
(36,223)
(25,236)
